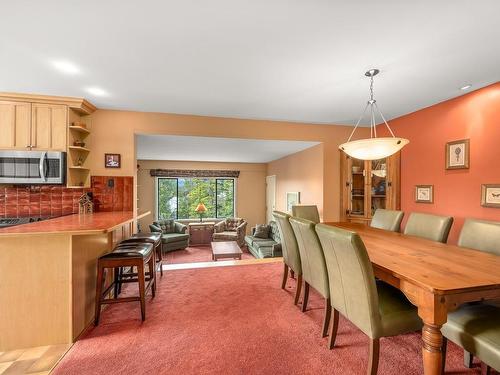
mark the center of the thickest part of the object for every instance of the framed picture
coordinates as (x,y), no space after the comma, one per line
(112,160)
(490,195)
(292,199)
(457,154)
(424,193)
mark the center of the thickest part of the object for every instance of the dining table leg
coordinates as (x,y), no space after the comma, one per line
(434,312)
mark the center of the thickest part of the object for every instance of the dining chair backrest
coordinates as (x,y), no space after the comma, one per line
(289,247)
(353,291)
(481,235)
(306,212)
(431,227)
(387,219)
(311,255)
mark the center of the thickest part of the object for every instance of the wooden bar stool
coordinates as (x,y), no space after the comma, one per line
(133,255)
(153,238)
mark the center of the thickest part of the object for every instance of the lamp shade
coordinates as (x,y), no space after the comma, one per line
(201,208)
(373,148)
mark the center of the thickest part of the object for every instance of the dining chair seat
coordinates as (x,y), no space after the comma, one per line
(431,227)
(290,251)
(476,328)
(308,212)
(387,219)
(377,309)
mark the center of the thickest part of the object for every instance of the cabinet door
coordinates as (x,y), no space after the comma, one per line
(49,124)
(393,182)
(15,123)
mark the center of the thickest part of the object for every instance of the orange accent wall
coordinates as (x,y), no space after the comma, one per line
(303,172)
(456,192)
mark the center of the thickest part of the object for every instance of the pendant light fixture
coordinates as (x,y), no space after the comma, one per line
(373,148)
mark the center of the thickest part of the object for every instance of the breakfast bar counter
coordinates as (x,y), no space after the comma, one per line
(48,269)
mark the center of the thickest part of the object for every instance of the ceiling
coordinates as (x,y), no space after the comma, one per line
(263,59)
(173,147)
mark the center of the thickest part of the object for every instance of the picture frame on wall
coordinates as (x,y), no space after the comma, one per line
(490,195)
(424,193)
(457,154)
(112,161)
(292,199)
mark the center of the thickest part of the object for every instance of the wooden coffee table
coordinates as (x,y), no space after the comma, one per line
(226,249)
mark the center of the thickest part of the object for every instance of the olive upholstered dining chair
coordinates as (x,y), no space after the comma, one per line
(387,219)
(306,212)
(290,251)
(431,227)
(377,309)
(313,265)
(476,327)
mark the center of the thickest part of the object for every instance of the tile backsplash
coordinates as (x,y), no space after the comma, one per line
(110,194)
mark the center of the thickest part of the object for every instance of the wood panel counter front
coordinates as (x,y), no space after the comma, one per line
(48,270)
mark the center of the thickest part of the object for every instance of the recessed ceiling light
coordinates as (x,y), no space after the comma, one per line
(96,91)
(66,67)
(466,87)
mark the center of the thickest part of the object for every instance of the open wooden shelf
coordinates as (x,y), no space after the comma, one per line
(79,129)
(78,148)
(78,167)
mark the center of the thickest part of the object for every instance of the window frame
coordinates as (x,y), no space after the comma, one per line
(157,201)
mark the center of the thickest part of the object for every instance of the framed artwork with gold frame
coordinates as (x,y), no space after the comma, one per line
(424,193)
(457,154)
(490,195)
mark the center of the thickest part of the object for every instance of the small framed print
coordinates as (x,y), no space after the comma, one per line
(457,154)
(424,193)
(490,195)
(112,161)
(292,199)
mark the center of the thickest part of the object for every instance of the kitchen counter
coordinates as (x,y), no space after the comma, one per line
(48,269)
(98,222)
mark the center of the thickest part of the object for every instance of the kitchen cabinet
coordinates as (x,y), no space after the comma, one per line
(368,185)
(15,125)
(48,127)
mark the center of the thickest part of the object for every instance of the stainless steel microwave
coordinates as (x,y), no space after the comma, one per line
(32,167)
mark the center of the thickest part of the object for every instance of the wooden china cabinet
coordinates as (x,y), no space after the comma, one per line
(367,185)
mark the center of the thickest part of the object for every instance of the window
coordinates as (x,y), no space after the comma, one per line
(177,198)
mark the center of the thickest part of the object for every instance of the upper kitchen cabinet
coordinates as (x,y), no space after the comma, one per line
(48,127)
(38,122)
(15,125)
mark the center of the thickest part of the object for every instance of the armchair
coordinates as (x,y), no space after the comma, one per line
(173,234)
(230,229)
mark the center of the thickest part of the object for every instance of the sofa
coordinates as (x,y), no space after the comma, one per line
(173,234)
(265,247)
(230,229)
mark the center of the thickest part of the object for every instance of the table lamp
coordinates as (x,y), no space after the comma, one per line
(201,209)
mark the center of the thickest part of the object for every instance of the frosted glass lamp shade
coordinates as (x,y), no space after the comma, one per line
(373,148)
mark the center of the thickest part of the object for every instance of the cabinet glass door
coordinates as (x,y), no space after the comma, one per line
(357,187)
(378,184)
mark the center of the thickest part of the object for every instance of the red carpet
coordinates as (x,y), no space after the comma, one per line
(233,320)
(197,254)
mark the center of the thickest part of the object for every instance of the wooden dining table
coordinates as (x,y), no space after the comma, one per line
(435,277)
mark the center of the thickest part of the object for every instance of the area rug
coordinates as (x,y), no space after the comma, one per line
(233,320)
(197,254)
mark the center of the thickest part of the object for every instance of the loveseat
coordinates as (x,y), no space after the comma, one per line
(230,229)
(173,234)
(269,247)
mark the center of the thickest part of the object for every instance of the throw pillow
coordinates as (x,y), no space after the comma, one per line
(232,223)
(262,231)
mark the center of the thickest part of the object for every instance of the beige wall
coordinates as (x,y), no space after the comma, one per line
(113,131)
(250,187)
(302,172)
